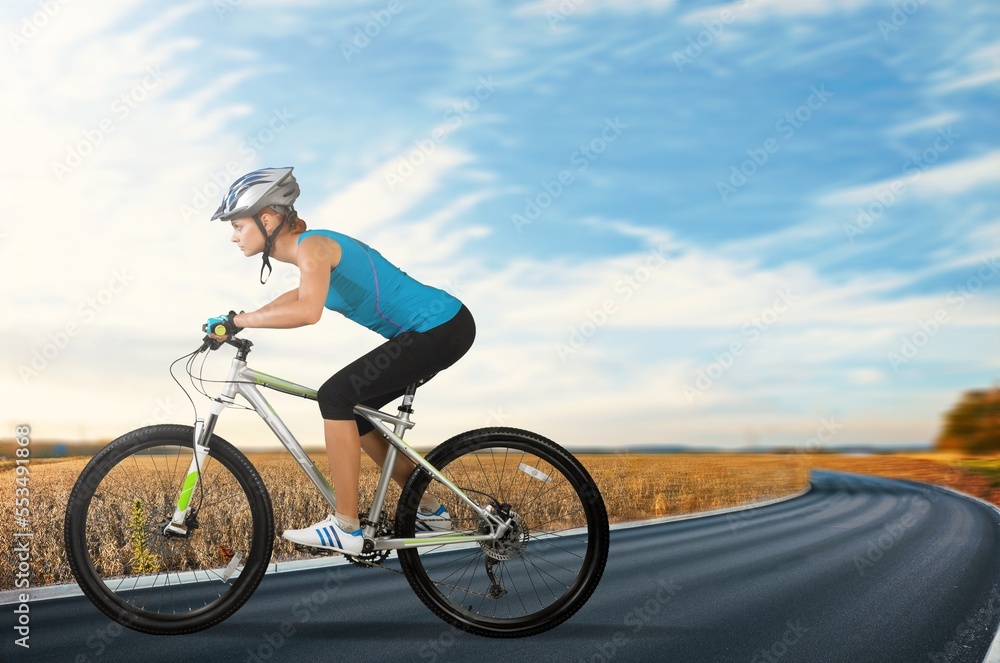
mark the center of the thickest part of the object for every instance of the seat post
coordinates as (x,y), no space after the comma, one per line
(405,407)
(405,410)
(389,463)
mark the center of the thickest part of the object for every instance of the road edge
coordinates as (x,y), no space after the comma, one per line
(48,592)
(993,653)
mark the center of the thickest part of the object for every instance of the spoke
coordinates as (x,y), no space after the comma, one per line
(528,574)
(557,486)
(549,561)
(479,610)
(471,565)
(568,552)
(472,552)
(510,580)
(503,468)
(156,470)
(541,570)
(561,517)
(485,478)
(527,571)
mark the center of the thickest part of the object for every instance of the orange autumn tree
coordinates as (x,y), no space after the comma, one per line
(973,425)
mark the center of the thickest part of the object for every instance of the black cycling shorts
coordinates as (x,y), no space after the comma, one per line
(383,374)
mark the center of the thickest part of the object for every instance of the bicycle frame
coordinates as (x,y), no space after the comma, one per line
(244,381)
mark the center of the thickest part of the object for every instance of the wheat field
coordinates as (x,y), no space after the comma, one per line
(634,487)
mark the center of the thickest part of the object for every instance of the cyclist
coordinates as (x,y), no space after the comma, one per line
(426,330)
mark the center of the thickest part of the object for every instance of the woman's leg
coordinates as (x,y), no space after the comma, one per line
(376,447)
(343,452)
(374,379)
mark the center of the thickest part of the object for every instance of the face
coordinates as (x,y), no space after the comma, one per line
(247,236)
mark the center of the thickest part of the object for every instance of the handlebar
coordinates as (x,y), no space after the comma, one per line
(241,344)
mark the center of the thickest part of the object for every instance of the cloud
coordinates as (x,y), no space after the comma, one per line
(949,180)
(759,10)
(369,202)
(974,80)
(936,121)
(786,8)
(977,69)
(565,8)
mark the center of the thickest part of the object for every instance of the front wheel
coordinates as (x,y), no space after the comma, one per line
(160,582)
(542,570)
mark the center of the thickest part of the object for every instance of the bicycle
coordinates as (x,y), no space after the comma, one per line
(169,528)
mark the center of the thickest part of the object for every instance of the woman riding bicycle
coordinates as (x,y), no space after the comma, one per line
(427,330)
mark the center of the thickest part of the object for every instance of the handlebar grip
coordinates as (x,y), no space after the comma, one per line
(217,325)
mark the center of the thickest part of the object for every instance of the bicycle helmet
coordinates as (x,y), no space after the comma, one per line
(252,193)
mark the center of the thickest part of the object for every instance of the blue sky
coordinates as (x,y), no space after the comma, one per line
(709,224)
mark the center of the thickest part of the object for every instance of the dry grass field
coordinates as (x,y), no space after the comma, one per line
(979,477)
(634,487)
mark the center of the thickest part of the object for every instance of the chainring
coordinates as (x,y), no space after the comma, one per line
(375,557)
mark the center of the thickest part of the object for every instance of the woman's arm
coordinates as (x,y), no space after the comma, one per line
(289,296)
(304,305)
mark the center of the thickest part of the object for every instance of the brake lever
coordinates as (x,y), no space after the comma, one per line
(209,343)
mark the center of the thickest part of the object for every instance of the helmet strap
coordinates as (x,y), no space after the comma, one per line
(268,243)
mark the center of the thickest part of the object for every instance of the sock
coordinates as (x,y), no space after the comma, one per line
(349,524)
(428,503)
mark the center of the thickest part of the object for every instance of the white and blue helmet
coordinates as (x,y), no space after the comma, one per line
(267,187)
(249,195)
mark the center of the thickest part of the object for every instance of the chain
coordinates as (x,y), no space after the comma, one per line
(382,530)
(466,590)
(357,561)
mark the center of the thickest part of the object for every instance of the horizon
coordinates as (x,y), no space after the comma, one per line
(51,449)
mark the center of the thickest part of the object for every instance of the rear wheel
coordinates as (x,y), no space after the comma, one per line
(162,583)
(543,569)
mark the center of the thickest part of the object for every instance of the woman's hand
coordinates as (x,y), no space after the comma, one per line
(221,327)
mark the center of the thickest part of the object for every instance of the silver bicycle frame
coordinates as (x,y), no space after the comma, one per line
(244,381)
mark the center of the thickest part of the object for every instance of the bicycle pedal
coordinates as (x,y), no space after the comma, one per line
(316,552)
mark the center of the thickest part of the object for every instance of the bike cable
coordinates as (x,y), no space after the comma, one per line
(174,378)
(191,356)
(188,368)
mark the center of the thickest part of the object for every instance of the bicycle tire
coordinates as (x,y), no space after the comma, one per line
(117,491)
(552,465)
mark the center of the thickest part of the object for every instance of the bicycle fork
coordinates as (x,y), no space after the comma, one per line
(202,434)
(178,523)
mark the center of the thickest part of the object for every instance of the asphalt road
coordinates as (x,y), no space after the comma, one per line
(859,570)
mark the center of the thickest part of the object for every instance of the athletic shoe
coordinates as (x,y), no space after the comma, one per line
(428,522)
(328,534)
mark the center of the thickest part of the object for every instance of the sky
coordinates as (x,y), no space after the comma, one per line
(768,222)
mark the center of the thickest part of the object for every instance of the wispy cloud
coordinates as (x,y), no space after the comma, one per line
(932,122)
(978,68)
(949,179)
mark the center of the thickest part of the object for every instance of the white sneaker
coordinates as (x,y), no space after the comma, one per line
(328,534)
(432,522)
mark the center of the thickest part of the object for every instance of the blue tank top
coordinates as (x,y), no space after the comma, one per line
(367,288)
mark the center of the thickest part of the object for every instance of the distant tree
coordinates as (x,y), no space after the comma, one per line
(973,425)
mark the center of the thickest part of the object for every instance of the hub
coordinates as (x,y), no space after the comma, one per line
(511,543)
